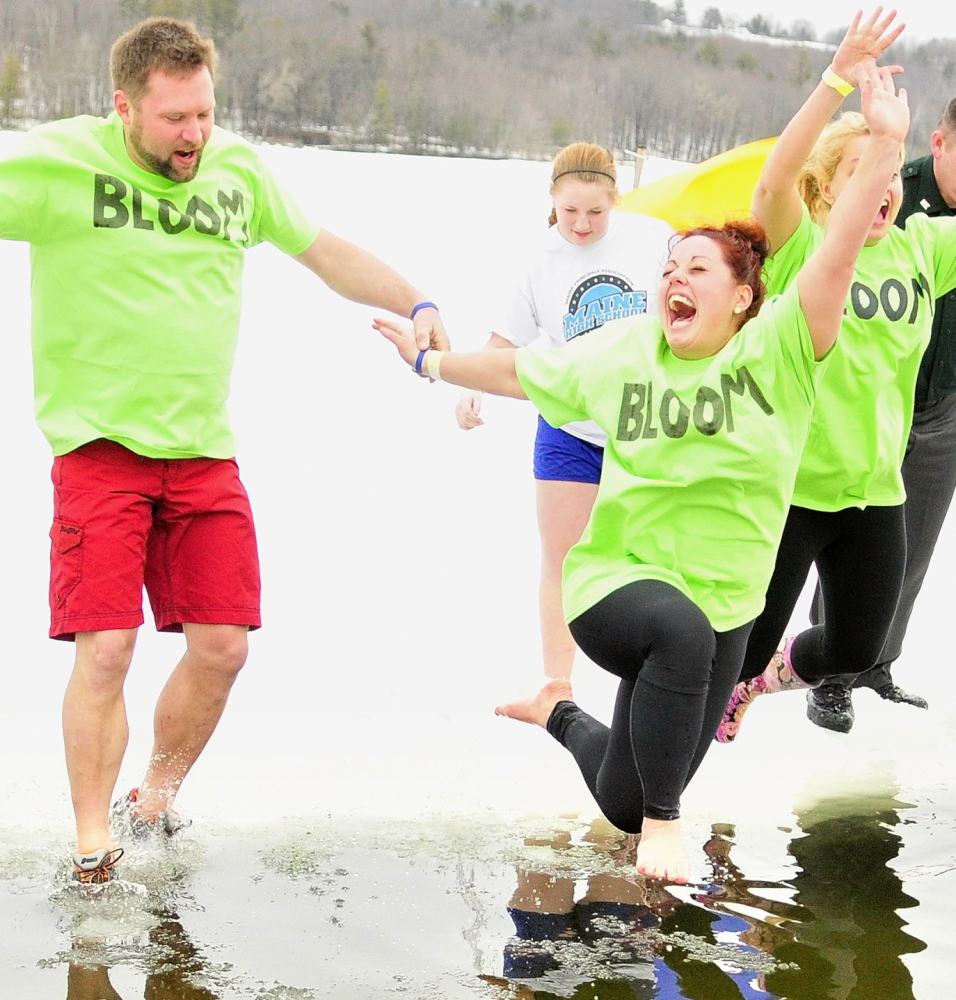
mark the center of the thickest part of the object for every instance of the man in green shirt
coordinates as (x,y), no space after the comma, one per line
(929,466)
(138,224)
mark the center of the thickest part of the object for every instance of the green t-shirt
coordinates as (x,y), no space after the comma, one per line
(700,460)
(136,283)
(865,406)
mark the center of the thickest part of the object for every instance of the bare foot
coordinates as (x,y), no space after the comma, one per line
(660,853)
(537,710)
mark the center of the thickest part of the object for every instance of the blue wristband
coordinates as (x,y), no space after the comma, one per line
(418,362)
(422,305)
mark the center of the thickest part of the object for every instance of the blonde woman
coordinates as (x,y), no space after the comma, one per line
(594,265)
(847,512)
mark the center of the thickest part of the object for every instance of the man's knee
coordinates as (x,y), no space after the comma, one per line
(103,658)
(220,649)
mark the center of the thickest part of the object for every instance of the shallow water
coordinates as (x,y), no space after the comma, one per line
(362,821)
(430,907)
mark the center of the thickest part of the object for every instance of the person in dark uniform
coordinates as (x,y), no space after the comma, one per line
(929,468)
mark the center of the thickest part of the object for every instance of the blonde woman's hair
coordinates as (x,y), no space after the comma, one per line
(584,161)
(824,159)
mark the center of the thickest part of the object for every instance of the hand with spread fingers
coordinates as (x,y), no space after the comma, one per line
(866,40)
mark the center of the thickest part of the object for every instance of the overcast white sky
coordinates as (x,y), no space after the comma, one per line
(925,19)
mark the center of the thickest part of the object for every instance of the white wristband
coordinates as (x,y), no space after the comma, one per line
(433,365)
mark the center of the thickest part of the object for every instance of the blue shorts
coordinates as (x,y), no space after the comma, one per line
(563,457)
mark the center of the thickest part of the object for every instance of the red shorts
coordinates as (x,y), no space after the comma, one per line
(181,527)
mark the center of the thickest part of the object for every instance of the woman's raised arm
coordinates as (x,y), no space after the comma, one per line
(776,200)
(824,280)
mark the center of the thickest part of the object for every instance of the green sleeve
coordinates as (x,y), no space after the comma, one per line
(552,380)
(22,194)
(785,264)
(786,313)
(941,230)
(281,222)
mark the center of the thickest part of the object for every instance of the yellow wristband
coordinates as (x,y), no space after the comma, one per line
(433,365)
(836,82)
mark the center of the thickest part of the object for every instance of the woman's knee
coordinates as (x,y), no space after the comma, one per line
(851,657)
(818,652)
(681,658)
(650,626)
(624,817)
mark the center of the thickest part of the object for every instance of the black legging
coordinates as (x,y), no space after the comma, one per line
(860,556)
(676,674)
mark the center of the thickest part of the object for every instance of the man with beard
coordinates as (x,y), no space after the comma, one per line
(138,225)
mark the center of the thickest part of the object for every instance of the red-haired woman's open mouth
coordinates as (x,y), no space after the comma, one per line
(680,310)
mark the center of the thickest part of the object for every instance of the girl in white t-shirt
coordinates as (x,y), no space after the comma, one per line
(593,266)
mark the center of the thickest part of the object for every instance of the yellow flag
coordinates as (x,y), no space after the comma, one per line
(706,194)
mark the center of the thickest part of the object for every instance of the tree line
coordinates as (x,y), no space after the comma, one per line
(461,77)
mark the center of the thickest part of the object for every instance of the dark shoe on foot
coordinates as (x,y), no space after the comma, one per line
(126,817)
(890,692)
(96,868)
(829,707)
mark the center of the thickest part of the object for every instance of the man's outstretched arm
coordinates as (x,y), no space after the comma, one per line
(357,275)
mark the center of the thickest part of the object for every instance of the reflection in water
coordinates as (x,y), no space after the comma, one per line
(831,933)
(850,947)
(613,942)
(586,926)
(174,963)
(133,924)
(577,944)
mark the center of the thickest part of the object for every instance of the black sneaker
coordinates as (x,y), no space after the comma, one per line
(829,707)
(890,692)
(96,868)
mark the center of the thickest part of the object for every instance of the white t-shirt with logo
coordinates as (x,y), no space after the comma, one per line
(567,291)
